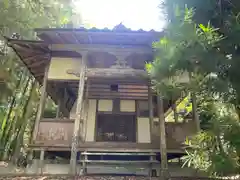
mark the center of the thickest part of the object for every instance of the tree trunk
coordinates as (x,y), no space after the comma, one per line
(150,107)
(194,110)
(163,145)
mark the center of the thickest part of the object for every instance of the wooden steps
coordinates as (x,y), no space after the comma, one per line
(86,160)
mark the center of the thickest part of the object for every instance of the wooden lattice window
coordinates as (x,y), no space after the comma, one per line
(120,128)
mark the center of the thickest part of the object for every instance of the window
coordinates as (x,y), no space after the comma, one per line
(114,87)
(121,128)
(143,108)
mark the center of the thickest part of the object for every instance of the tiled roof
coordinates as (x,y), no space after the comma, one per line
(118,28)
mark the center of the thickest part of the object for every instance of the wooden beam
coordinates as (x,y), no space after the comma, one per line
(118,94)
(120,91)
(102,47)
(111,73)
(41,161)
(34,56)
(92,86)
(20,46)
(120,97)
(127,90)
(20,41)
(76,133)
(41,103)
(163,144)
(36,64)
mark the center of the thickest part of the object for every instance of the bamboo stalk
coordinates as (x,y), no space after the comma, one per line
(26,118)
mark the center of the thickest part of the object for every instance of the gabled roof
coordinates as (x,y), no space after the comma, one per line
(35,54)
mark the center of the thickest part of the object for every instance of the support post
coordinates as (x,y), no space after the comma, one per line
(58,108)
(163,145)
(41,103)
(76,131)
(41,161)
(175,114)
(150,106)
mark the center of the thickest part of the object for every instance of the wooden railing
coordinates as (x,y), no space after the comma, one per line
(55,132)
(58,133)
(176,134)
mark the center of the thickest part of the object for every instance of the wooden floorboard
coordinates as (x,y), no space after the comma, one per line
(105,147)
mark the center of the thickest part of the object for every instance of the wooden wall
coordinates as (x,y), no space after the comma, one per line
(59,67)
(89,113)
(104,105)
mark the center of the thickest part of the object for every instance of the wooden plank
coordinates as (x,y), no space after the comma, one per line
(57,120)
(132,81)
(120,153)
(111,73)
(98,90)
(119,162)
(55,147)
(118,94)
(120,89)
(120,97)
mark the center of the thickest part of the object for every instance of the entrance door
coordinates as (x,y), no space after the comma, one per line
(112,127)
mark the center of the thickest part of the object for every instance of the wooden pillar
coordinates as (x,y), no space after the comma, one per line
(163,145)
(85,112)
(58,108)
(150,107)
(174,108)
(41,103)
(76,132)
(41,161)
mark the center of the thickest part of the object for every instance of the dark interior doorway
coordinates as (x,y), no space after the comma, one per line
(116,127)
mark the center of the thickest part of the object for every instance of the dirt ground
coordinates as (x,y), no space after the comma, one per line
(72,178)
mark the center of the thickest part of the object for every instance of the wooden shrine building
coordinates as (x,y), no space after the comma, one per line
(106,109)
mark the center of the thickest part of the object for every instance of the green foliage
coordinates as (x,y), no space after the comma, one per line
(187,49)
(216,149)
(202,42)
(19,97)
(22,16)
